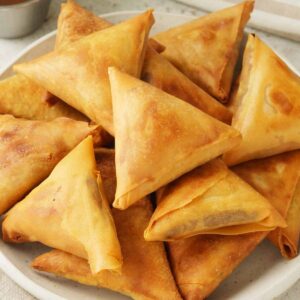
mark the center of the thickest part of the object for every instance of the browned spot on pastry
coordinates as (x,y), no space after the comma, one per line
(281,102)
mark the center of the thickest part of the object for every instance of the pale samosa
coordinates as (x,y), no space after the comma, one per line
(210,199)
(88,89)
(159,137)
(145,273)
(200,263)
(69,211)
(277,178)
(266,105)
(207,49)
(159,72)
(29,150)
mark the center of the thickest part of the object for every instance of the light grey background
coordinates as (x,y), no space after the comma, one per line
(10,48)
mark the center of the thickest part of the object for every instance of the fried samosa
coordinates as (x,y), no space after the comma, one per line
(277,179)
(200,263)
(210,200)
(145,273)
(207,49)
(22,98)
(159,72)
(29,150)
(267,105)
(159,137)
(69,211)
(88,89)
(75,22)
(105,159)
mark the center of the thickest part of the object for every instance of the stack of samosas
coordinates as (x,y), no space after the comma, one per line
(148,166)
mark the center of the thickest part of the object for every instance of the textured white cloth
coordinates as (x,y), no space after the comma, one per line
(11,291)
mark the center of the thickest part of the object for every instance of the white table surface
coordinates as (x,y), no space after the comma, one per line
(10,48)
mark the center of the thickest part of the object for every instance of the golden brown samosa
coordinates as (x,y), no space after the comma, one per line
(210,200)
(69,211)
(159,137)
(159,72)
(22,98)
(200,263)
(75,22)
(88,89)
(277,178)
(105,159)
(266,104)
(145,273)
(29,150)
(206,49)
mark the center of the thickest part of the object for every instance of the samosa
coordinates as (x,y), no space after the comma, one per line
(277,178)
(88,89)
(22,98)
(210,200)
(159,137)
(105,159)
(145,273)
(75,22)
(207,49)
(69,211)
(159,72)
(266,104)
(200,263)
(29,150)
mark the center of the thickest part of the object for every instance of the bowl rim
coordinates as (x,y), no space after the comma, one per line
(23,4)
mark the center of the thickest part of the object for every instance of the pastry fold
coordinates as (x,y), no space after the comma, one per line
(29,150)
(88,89)
(145,273)
(266,105)
(105,159)
(210,200)
(206,49)
(159,72)
(159,137)
(200,263)
(277,179)
(69,211)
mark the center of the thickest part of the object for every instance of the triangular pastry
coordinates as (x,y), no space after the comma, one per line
(88,88)
(159,137)
(266,104)
(277,179)
(69,211)
(159,72)
(210,200)
(21,97)
(207,49)
(200,263)
(29,150)
(145,272)
(75,22)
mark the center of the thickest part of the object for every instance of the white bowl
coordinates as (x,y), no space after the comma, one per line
(263,275)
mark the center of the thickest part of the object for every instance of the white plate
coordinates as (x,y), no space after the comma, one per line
(263,275)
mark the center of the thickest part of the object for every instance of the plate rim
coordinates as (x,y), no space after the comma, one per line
(42,293)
